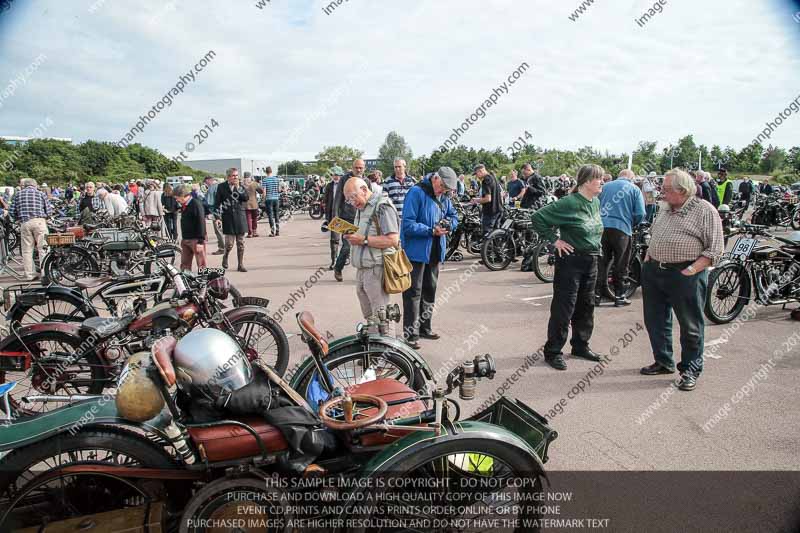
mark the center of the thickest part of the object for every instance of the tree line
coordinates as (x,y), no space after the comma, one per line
(60,162)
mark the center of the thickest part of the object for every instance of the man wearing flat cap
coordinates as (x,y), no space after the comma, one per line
(428,216)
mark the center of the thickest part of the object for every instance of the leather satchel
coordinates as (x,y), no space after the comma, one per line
(396,267)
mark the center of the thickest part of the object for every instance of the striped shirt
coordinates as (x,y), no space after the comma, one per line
(271,186)
(29,203)
(682,235)
(397,191)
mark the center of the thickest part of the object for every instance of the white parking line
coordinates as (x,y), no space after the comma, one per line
(536,298)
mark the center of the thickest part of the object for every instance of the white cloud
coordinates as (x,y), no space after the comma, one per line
(719,71)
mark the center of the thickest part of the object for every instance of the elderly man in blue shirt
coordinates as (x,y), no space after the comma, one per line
(428,216)
(622,209)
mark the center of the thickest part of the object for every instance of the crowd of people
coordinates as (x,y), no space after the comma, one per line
(589,219)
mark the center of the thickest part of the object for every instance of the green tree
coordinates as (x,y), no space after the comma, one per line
(749,159)
(292,168)
(793,159)
(339,155)
(395,146)
(773,160)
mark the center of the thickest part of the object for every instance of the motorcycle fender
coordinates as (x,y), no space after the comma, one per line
(68,419)
(395,343)
(72,295)
(720,264)
(63,327)
(414,443)
(245,310)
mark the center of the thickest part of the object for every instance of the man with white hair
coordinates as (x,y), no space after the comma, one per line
(686,238)
(29,207)
(113,203)
(378,233)
(622,209)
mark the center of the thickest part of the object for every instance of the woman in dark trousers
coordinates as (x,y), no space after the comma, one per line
(576,216)
(170,211)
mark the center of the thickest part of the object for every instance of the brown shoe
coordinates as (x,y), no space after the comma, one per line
(337,275)
(241,268)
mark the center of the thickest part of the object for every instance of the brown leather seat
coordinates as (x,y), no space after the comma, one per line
(389,390)
(310,332)
(230,441)
(90,283)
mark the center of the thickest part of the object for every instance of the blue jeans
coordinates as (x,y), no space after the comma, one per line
(273,214)
(665,291)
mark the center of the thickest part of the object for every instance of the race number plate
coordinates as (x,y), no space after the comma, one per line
(507,224)
(743,247)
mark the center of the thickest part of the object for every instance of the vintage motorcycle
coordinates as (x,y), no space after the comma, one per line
(640,241)
(768,274)
(55,360)
(510,240)
(467,235)
(108,457)
(107,252)
(776,210)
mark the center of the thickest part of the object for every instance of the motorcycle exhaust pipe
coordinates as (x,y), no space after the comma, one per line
(56,398)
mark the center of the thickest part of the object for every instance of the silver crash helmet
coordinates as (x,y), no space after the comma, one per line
(210,363)
(724,208)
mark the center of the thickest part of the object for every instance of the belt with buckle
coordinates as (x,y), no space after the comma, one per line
(671,266)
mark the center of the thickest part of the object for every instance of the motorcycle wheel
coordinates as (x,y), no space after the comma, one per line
(85,376)
(348,364)
(796,219)
(243,498)
(544,262)
(265,340)
(316,212)
(64,266)
(497,251)
(489,467)
(728,292)
(27,499)
(631,281)
(56,308)
(473,243)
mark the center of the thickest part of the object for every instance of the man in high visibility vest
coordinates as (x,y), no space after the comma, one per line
(724,188)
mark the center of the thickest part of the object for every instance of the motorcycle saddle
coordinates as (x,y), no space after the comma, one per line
(232,440)
(103,327)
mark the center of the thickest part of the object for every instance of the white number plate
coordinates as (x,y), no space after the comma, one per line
(507,224)
(743,247)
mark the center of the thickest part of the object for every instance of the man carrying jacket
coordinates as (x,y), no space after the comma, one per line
(346,212)
(427,211)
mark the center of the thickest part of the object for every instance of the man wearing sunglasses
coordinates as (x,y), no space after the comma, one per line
(347,212)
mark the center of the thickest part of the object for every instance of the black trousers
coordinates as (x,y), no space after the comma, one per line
(616,250)
(573,303)
(418,300)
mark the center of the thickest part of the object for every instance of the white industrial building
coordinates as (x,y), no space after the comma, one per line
(219,166)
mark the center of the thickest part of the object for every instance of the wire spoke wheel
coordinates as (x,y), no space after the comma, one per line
(498,251)
(54,369)
(265,341)
(467,484)
(544,262)
(728,293)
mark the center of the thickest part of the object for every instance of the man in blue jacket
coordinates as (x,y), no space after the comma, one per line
(622,209)
(427,213)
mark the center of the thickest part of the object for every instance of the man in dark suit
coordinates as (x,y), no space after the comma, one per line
(347,212)
(329,197)
(229,204)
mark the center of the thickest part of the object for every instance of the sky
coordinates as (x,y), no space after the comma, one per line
(287,78)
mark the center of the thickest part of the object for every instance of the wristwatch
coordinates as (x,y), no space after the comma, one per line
(366,241)
(691,269)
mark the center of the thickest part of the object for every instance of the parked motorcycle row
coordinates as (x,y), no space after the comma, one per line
(134,393)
